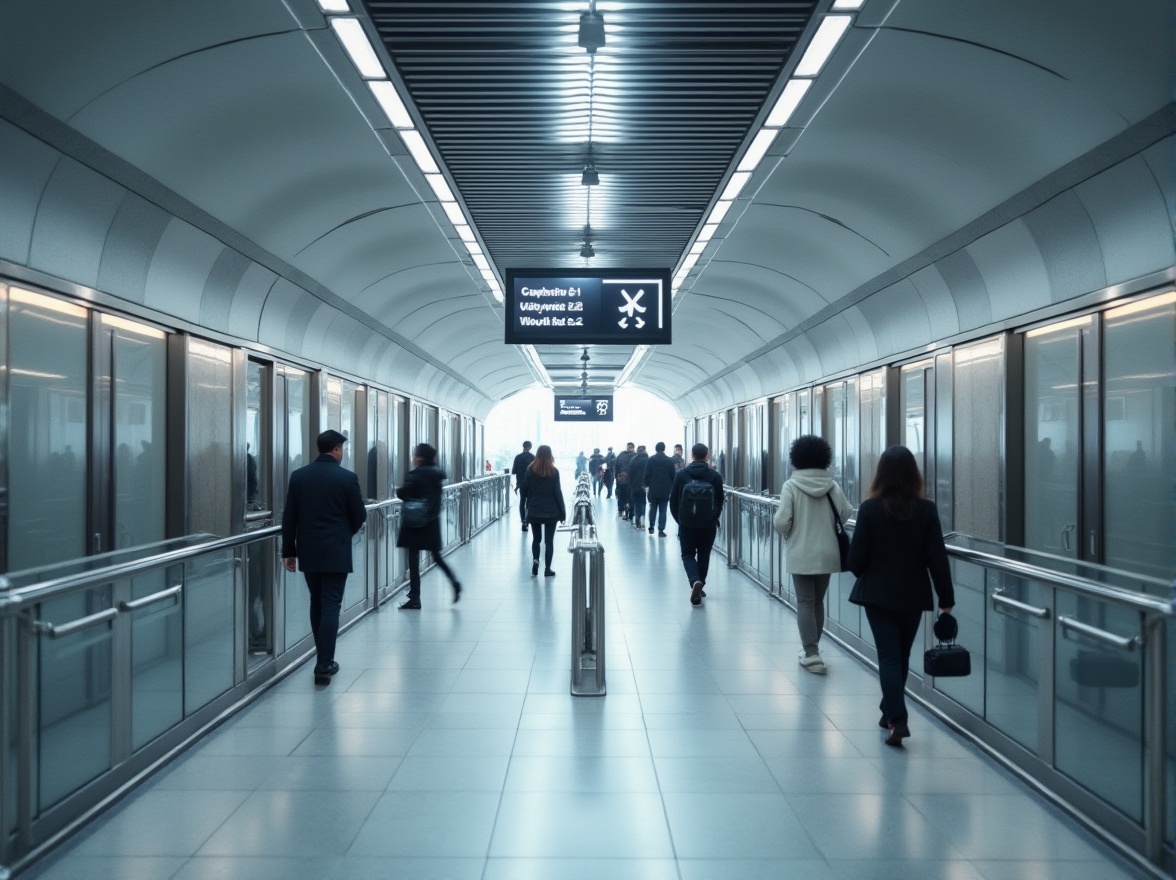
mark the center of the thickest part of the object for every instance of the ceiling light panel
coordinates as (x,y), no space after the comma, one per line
(788,101)
(848,4)
(440,187)
(333,6)
(719,211)
(735,185)
(454,213)
(389,100)
(759,146)
(419,151)
(351,35)
(825,40)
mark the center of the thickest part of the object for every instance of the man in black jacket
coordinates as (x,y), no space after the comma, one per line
(637,487)
(594,464)
(697,510)
(522,461)
(324,508)
(659,482)
(621,470)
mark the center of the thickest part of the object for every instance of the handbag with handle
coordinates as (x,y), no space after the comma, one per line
(842,537)
(414,513)
(947,659)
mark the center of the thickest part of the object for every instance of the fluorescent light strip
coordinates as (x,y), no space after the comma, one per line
(454,213)
(481,262)
(464,232)
(390,103)
(759,147)
(707,233)
(788,101)
(419,151)
(494,289)
(848,4)
(334,6)
(698,247)
(489,276)
(735,185)
(440,187)
(351,34)
(825,40)
(688,263)
(719,211)
(474,248)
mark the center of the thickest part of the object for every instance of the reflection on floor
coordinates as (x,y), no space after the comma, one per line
(448,747)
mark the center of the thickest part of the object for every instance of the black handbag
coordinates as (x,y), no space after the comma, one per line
(414,513)
(842,537)
(947,661)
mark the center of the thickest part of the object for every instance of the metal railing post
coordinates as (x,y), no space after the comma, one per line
(587,597)
(1155,783)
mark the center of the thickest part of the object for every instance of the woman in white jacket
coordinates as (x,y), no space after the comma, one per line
(805,519)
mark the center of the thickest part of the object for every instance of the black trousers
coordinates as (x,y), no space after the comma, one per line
(637,504)
(414,572)
(543,530)
(326,598)
(894,636)
(696,547)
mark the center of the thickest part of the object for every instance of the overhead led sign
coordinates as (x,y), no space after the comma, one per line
(588,306)
(583,409)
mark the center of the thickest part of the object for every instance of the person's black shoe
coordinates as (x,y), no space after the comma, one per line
(696,593)
(548,573)
(660,534)
(525,529)
(883,723)
(535,568)
(410,605)
(898,732)
(321,679)
(323,674)
(651,530)
(456,592)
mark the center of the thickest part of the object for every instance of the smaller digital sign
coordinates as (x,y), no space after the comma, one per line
(588,306)
(583,409)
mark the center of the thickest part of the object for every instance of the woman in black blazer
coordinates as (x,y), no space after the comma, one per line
(545,506)
(897,541)
(423,482)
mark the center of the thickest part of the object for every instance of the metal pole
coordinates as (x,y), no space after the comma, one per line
(1155,813)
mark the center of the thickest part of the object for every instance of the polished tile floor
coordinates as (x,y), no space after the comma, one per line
(448,747)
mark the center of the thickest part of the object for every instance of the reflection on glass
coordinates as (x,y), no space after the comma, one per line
(210,388)
(970,605)
(1139,447)
(873,425)
(257,459)
(73,697)
(1099,705)
(297,604)
(157,672)
(47,442)
(209,625)
(1013,658)
(914,412)
(1052,448)
(977,411)
(139,441)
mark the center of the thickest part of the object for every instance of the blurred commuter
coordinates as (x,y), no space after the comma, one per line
(581,464)
(324,508)
(659,482)
(423,483)
(522,461)
(637,487)
(594,463)
(805,520)
(545,507)
(897,541)
(677,458)
(606,478)
(696,501)
(621,475)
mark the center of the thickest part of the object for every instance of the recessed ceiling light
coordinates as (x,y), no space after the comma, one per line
(453,212)
(848,4)
(824,42)
(334,6)
(473,247)
(735,185)
(351,34)
(481,262)
(440,187)
(719,211)
(464,232)
(420,152)
(759,146)
(390,103)
(788,101)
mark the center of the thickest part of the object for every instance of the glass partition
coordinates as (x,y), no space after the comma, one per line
(157,656)
(210,623)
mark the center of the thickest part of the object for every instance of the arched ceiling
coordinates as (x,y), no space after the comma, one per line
(224,162)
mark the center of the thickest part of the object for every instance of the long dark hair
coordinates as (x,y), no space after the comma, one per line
(897,482)
(544,463)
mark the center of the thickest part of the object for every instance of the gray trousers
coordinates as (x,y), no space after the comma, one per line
(810,592)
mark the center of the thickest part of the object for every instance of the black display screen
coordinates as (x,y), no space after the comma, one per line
(583,409)
(588,306)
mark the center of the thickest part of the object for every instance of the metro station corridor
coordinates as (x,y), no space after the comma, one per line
(448,746)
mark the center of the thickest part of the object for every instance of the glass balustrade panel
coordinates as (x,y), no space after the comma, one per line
(209,628)
(157,658)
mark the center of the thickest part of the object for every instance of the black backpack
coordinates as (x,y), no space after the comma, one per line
(696,508)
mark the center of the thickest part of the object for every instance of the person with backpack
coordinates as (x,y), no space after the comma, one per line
(696,501)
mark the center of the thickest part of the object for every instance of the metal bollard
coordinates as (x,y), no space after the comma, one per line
(587,614)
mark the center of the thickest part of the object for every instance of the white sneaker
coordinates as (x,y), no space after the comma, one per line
(813,664)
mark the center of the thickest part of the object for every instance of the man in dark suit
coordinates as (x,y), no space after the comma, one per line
(522,461)
(324,508)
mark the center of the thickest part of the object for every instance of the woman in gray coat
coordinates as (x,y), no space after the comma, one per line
(805,519)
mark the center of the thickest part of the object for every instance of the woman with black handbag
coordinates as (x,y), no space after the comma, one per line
(545,506)
(897,541)
(812,509)
(420,523)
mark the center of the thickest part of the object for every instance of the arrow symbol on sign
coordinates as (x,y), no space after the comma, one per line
(640,323)
(623,323)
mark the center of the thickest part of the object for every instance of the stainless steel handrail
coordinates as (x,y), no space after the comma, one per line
(1111,640)
(68,629)
(999,601)
(172,593)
